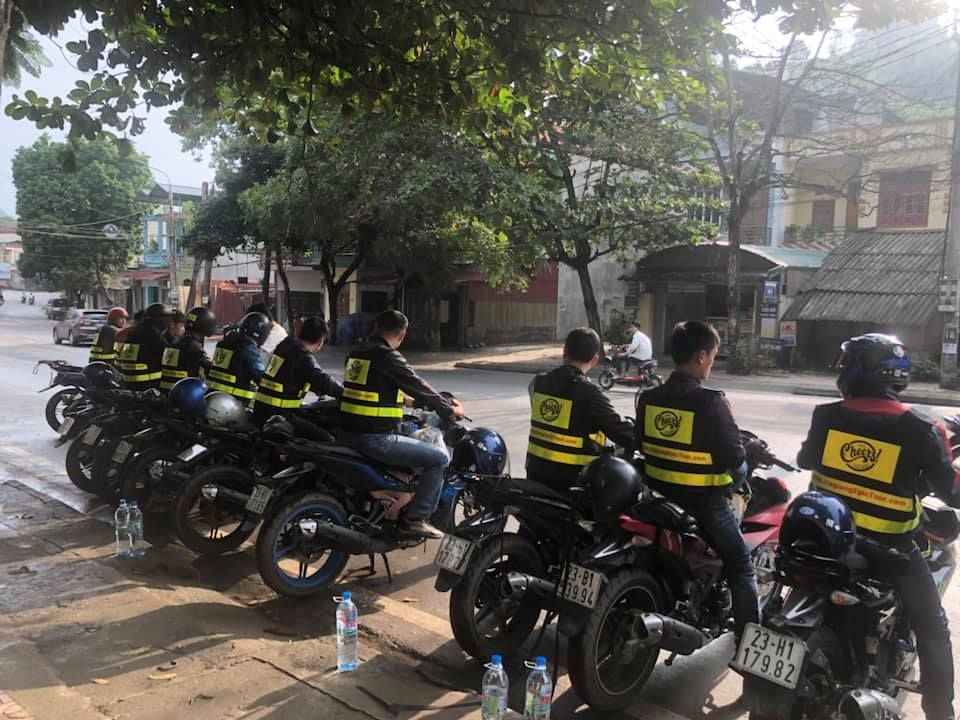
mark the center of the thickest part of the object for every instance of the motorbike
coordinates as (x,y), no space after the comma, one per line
(63,402)
(23,299)
(652,582)
(952,423)
(644,374)
(32,300)
(833,643)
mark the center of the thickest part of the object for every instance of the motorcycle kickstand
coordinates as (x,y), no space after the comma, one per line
(669,661)
(372,568)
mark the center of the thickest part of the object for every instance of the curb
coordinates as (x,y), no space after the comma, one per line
(906,397)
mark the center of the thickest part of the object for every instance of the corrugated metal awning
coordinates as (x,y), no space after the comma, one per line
(880,308)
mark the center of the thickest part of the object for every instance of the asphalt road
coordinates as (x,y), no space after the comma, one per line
(409,611)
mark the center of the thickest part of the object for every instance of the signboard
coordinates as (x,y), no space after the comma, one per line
(950,348)
(768,311)
(788,333)
(771,291)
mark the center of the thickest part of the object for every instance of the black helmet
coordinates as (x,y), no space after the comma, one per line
(255,325)
(102,376)
(613,484)
(819,524)
(201,320)
(158,315)
(872,362)
(480,450)
(279,429)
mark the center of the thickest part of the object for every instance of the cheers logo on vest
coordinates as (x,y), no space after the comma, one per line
(859,455)
(354,369)
(667,423)
(550,409)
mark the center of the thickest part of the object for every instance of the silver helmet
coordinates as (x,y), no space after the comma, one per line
(224,410)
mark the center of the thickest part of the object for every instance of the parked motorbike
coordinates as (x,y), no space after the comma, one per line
(642,374)
(833,642)
(652,582)
(62,402)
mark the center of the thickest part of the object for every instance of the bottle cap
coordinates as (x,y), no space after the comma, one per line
(541,661)
(496,660)
(347,595)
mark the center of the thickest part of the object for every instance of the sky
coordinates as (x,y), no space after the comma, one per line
(158,143)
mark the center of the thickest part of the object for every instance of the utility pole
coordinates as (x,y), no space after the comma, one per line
(172,250)
(951,256)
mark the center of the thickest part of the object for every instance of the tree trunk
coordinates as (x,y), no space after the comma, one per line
(207,281)
(194,279)
(589,297)
(282,273)
(433,339)
(733,277)
(265,281)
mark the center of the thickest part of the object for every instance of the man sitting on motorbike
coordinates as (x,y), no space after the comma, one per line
(140,357)
(291,373)
(185,357)
(878,455)
(639,351)
(375,378)
(570,416)
(104,346)
(237,361)
(693,455)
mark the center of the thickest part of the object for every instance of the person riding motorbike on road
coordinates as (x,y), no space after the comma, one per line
(185,357)
(104,346)
(639,351)
(140,357)
(693,455)
(237,361)
(570,416)
(879,456)
(291,373)
(376,376)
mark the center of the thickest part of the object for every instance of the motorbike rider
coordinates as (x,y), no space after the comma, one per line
(570,416)
(277,331)
(185,357)
(879,456)
(23,298)
(128,328)
(639,351)
(105,342)
(376,376)
(693,455)
(177,327)
(237,361)
(140,357)
(291,373)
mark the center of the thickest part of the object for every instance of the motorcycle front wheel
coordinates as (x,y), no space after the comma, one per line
(605,379)
(607,667)
(213,526)
(483,619)
(79,464)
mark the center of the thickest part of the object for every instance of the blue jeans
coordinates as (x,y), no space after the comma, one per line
(404,452)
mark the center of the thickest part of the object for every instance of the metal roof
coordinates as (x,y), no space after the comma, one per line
(789,256)
(707,262)
(888,277)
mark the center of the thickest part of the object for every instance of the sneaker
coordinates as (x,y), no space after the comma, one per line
(421,528)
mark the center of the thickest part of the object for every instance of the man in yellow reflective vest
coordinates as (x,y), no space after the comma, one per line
(237,362)
(878,456)
(570,417)
(105,343)
(140,357)
(185,357)
(693,454)
(375,378)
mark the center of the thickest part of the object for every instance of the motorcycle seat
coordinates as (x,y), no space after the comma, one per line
(670,516)
(318,450)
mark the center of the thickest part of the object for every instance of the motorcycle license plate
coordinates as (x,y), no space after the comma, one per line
(453,554)
(258,500)
(91,434)
(122,452)
(770,655)
(192,453)
(66,425)
(583,586)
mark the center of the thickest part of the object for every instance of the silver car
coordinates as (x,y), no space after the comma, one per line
(79,326)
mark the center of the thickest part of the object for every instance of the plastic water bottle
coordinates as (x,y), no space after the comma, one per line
(347,634)
(137,549)
(539,691)
(121,529)
(493,705)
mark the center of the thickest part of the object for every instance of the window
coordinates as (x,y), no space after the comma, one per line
(823,214)
(904,199)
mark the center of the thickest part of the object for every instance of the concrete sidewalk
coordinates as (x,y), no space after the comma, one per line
(90,636)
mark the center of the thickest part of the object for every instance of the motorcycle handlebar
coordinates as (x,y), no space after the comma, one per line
(784,465)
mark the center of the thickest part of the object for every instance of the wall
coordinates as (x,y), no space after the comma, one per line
(515,315)
(609,289)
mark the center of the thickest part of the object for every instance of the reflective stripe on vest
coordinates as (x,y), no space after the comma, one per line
(684,456)
(686,478)
(275,401)
(142,377)
(95,355)
(368,411)
(232,389)
(556,456)
(549,414)
(368,403)
(860,497)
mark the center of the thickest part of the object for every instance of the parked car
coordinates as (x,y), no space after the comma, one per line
(79,326)
(56,308)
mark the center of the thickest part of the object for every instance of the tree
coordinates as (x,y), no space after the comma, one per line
(62,214)
(19,50)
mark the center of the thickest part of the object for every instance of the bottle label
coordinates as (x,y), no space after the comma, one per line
(494,706)
(537,704)
(347,630)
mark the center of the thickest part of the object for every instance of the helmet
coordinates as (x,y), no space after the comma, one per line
(201,320)
(116,314)
(102,376)
(158,315)
(613,484)
(820,524)
(224,410)
(187,396)
(873,361)
(480,450)
(255,325)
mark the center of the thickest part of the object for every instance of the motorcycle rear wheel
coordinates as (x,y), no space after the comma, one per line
(79,464)
(57,403)
(214,527)
(604,672)
(144,481)
(477,598)
(606,379)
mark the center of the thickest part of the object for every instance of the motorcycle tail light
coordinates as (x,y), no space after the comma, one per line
(844,599)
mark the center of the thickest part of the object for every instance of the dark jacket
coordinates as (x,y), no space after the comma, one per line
(878,455)
(184,358)
(236,367)
(688,436)
(291,373)
(374,379)
(569,419)
(104,347)
(140,358)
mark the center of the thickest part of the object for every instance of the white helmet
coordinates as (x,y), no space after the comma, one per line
(224,410)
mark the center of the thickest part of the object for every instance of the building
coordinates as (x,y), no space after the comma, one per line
(11,248)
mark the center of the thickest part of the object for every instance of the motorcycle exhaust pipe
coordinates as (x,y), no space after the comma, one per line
(671,634)
(865,704)
(214,492)
(517,585)
(345,539)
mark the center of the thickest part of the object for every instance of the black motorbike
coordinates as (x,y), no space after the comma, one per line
(71,398)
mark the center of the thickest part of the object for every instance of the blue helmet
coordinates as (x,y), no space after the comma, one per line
(872,362)
(480,450)
(819,524)
(187,396)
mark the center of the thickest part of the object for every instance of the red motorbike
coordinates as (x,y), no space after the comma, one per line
(642,374)
(658,585)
